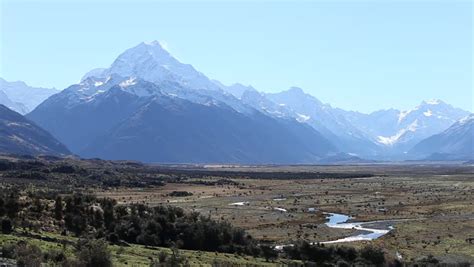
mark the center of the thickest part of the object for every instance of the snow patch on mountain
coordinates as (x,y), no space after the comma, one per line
(403,114)
(468,119)
(130,81)
(392,140)
(302,117)
(98,83)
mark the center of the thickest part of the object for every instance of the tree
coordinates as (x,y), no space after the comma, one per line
(108,207)
(75,223)
(2,206)
(7,226)
(12,206)
(58,208)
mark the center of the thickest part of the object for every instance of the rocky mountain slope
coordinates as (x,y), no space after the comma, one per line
(21,136)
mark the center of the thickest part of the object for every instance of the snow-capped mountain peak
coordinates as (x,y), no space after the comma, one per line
(155,43)
(433,102)
(152,62)
(430,108)
(296,90)
(156,50)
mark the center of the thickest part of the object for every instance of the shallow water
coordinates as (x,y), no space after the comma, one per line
(239,203)
(336,220)
(339,221)
(280,209)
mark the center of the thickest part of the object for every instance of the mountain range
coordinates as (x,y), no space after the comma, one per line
(385,134)
(148,106)
(130,118)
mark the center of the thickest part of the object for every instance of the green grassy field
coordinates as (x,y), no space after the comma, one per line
(138,255)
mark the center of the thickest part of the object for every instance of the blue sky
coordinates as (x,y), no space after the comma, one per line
(357,55)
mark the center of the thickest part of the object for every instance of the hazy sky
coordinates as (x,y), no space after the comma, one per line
(358,55)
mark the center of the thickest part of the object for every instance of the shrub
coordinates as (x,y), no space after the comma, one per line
(180,194)
(55,256)
(268,252)
(8,251)
(28,255)
(176,259)
(373,255)
(91,253)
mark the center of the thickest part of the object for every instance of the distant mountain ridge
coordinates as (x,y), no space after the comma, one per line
(21,97)
(147,71)
(21,136)
(398,131)
(327,120)
(6,101)
(383,134)
(455,143)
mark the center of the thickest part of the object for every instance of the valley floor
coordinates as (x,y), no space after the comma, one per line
(430,207)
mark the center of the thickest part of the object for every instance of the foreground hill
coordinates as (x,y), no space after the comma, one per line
(21,136)
(457,142)
(125,118)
